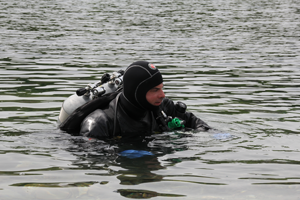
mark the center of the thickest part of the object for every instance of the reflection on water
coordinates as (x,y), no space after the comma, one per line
(234,63)
(144,194)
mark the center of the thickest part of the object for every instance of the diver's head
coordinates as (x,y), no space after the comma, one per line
(142,85)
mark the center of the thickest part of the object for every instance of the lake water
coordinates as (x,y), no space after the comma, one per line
(234,63)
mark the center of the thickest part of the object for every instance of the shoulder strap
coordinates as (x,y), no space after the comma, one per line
(115,115)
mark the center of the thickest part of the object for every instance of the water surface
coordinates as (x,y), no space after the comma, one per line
(234,63)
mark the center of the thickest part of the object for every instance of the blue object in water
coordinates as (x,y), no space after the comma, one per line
(222,136)
(135,153)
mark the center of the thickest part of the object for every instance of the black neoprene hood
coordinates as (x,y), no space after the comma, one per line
(138,79)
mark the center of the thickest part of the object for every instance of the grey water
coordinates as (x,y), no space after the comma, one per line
(234,63)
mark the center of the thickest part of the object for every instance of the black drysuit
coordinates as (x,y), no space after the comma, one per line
(123,119)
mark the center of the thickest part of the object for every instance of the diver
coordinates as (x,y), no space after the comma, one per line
(140,109)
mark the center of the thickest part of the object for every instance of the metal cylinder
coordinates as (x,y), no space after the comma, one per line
(71,104)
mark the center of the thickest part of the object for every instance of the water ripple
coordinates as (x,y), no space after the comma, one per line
(234,63)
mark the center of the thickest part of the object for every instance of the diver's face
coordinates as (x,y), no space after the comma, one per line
(155,95)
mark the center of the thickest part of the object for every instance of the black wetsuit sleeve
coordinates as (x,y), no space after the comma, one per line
(191,120)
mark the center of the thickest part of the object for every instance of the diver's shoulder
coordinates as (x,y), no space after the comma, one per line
(167,101)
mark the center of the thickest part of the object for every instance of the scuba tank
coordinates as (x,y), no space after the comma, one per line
(108,84)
